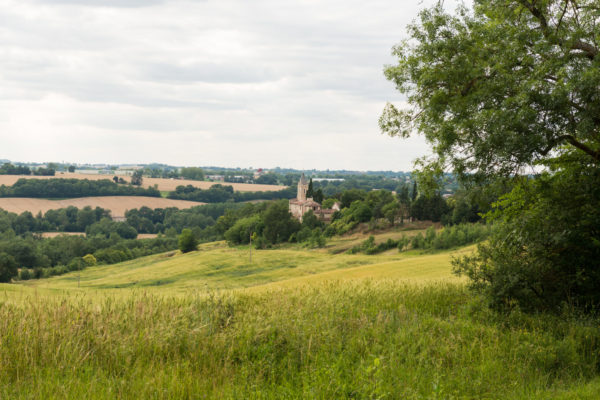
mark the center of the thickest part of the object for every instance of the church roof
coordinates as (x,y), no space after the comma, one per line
(303,179)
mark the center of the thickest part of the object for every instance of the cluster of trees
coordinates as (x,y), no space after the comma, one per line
(266,224)
(106,240)
(504,87)
(61,188)
(70,219)
(222,193)
(10,169)
(38,257)
(201,220)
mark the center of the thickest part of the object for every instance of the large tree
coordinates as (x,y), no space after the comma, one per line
(505,86)
(501,87)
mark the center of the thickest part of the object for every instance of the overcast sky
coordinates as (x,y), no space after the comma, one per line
(232,83)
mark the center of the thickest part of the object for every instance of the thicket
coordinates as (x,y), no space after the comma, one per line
(545,253)
(69,188)
(445,238)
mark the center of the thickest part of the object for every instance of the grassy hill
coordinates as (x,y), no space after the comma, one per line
(293,323)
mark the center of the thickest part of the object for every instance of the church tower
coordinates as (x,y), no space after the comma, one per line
(302,188)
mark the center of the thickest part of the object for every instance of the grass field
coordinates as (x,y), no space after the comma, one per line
(116,204)
(293,323)
(166,185)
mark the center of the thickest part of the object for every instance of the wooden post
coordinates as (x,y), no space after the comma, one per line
(250,248)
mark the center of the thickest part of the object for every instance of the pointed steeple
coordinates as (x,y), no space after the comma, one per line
(303,180)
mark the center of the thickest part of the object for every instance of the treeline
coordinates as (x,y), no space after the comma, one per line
(106,240)
(70,188)
(37,257)
(10,169)
(222,193)
(446,238)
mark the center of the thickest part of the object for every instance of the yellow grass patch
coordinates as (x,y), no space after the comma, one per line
(116,204)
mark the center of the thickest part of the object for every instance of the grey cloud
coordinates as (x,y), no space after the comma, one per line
(104,3)
(207,72)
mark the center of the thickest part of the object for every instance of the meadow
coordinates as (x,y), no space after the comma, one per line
(116,204)
(291,323)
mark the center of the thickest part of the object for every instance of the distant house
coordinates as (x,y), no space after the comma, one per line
(302,204)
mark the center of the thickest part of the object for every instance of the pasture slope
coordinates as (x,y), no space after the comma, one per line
(165,185)
(293,323)
(116,204)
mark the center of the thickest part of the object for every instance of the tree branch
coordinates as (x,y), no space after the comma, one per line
(595,154)
(590,50)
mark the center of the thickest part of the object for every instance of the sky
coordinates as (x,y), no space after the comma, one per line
(230,83)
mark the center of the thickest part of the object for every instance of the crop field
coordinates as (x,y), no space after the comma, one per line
(166,185)
(291,323)
(116,204)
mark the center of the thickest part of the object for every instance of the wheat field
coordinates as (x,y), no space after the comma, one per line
(165,185)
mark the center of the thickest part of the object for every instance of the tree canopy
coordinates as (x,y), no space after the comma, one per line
(500,87)
(508,85)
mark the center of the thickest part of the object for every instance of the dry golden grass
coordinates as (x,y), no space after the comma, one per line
(116,204)
(163,184)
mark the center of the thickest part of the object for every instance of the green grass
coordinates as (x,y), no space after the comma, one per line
(365,339)
(293,323)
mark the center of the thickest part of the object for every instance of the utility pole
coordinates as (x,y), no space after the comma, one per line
(250,248)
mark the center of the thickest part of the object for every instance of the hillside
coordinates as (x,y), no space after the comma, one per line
(162,184)
(116,204)
(294,323)
(216,266)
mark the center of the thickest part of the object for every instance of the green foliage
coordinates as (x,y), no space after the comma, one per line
(187,241)
(70,188)
(89,260)
(9,169)
(369,246)
(499,88)
(221,193)
(330,341)
(547,246)
(278,223)
(137,178)
(8,267)
(241,230)
(193,173)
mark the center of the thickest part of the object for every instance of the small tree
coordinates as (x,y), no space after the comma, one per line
(187,241)
(137,178)
(89,260)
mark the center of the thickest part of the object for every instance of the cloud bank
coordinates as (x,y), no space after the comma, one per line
(231,83)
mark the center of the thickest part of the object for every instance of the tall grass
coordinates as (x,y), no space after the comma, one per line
(333,340)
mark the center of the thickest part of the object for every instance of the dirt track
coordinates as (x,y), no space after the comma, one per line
(116,204)
(163,184)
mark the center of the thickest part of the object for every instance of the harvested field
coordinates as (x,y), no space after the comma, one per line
(163,184)
(116,204)
(55,234)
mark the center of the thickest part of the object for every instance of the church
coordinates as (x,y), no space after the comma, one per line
(302,204)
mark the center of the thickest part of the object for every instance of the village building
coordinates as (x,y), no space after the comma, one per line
(302,204)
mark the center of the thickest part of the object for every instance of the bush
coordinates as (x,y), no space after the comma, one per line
(544,252)
(187,241)
(25,274)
